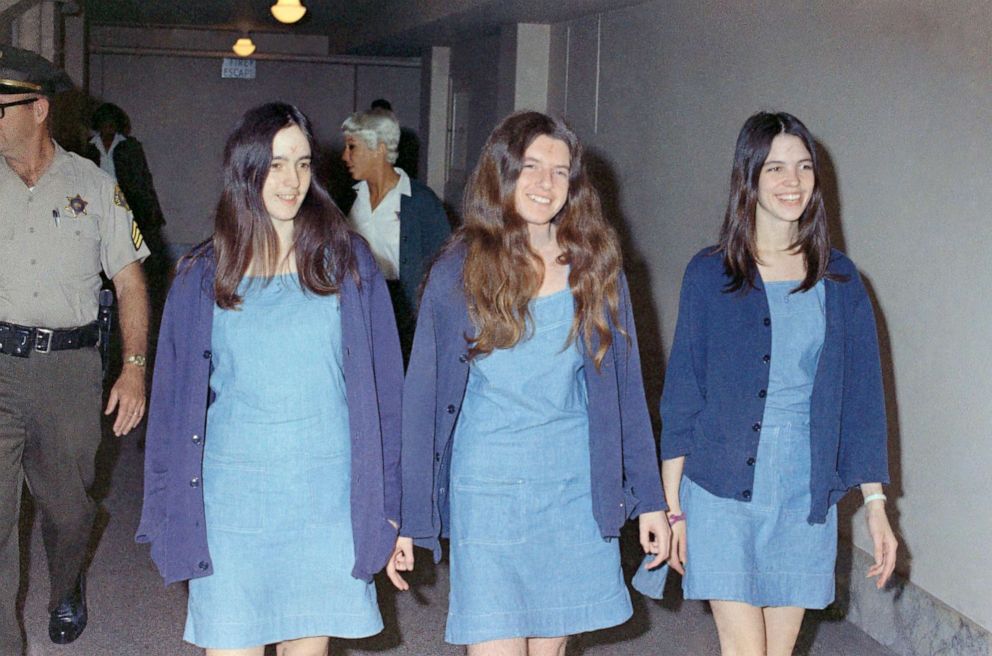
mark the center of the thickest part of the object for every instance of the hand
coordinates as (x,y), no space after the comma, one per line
(654,533)
(128,397)
(400,561)
(677,553)
(885,543)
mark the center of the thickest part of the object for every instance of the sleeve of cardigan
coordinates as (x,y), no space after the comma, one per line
(419,407)
(683,397)
(161,415)
(863,454)
(388,368)
(640,460)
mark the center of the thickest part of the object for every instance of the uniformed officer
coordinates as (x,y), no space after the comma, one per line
(62,221)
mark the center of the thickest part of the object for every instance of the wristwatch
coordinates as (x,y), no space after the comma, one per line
(137,360)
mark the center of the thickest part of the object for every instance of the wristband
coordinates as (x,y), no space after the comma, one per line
(674,519)
(878,496)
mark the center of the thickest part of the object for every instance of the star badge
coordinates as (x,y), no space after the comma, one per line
(76,205)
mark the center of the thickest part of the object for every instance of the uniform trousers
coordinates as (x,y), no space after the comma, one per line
(49,434)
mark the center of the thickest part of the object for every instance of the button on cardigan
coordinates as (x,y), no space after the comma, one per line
(717,378)
(623,462)
(172,517)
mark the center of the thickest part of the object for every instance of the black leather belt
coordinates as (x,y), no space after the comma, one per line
(21,341)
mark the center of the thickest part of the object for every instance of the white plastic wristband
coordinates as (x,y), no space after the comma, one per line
(878,496)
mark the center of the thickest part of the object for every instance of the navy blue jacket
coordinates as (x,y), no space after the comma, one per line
(172,516)
(423,229)
(623,462)
(714,396)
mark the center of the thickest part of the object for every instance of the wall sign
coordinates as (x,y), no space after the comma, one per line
(242,69)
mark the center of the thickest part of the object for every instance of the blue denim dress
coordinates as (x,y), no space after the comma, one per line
(276,477)
(527,557)
(764,552)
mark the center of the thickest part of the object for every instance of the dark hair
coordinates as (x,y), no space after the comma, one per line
(243,232)
(737,236)
(503,273)
(381,103)
(110,113)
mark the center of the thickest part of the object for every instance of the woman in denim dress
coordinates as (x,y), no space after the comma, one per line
(775,337)
(538,411)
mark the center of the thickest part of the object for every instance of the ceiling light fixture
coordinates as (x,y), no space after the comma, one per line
(288,11)
(243,47)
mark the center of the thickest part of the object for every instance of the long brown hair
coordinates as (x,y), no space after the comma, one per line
(503,273)
(737,236)
(243,233)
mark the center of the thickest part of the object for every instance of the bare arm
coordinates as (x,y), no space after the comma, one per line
(671,480)
(883,538)
(127,395)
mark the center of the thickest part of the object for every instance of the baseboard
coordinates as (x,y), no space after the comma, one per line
(905,618)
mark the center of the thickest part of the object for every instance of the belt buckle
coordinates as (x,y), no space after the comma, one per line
(43,340)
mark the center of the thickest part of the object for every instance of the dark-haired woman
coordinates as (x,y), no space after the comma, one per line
(526,436)
(773,406)
(272,462)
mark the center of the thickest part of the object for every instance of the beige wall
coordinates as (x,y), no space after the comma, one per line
(182,110)
(900,95)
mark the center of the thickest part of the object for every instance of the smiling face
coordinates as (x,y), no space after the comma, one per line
(786,181)
(542,188)
(288,180)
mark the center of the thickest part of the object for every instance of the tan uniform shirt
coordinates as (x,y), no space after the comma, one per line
(56,237)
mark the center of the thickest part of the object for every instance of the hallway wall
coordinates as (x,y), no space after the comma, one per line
(182,110)
(900,95)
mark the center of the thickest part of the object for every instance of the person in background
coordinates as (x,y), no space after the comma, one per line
(272,477)
(401,218)
(526,436)
(64,221)
(122,156)
(772,406)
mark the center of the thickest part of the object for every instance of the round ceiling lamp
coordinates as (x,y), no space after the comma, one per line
(288,11)
(243,47)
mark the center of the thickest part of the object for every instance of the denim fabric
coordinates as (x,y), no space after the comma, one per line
(765,552)
(276,478)
(527,557)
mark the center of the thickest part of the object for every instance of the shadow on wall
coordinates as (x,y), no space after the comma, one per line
(646,316)
(852,502)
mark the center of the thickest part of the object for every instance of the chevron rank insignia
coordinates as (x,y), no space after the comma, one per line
(76,205)
(136,237)
(119,199)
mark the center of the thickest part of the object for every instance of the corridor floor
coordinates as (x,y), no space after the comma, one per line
(132,614)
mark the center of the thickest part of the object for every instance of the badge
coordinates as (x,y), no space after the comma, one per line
(136,237)
(119,199)
(76,205)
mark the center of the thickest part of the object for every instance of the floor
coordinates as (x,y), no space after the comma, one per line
(132,614)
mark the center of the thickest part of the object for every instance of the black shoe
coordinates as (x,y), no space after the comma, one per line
(67,621)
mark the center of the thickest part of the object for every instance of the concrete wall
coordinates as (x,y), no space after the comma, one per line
(182,110)
(900,95)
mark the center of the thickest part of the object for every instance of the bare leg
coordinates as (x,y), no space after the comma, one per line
(546,646)
(304,647)
(782,624)
(510,647)
(741,628)
(250,651)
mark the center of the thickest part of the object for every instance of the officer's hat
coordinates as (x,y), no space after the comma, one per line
(23,71)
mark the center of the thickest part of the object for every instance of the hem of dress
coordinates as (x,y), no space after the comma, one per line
(798,590)
(543,622)
(243,635)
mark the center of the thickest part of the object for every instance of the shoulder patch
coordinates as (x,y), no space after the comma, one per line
(136,237)
(119,199)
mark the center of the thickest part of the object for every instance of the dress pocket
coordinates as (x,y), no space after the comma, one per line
(487,511)
(231,495)
(329,490)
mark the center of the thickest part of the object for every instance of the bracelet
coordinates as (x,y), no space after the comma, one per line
(674,519)
(878,496)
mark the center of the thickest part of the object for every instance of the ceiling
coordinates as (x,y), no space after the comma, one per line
(385,27)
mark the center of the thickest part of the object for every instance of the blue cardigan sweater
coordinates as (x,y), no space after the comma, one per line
(714,394)
(172,516)
(625,480)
